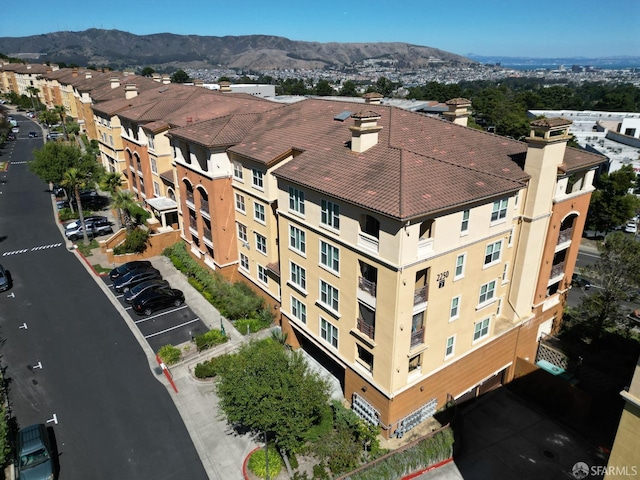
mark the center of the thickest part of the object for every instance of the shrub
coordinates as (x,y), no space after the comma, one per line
(136,242)
(258,462)
(209,339)
(208,368)
(169,354)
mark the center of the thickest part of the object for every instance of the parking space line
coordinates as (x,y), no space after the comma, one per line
(172,328)
(151,317)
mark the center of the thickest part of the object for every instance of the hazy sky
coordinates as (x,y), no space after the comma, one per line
(553,28)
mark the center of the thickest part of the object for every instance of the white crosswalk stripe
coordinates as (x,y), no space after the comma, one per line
(33,249)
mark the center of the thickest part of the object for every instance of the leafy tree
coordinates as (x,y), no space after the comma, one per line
(147,72)
(612,204)
(48,117)
(55,158)
(292,86)
(61,112)
(323,88)
(180,76)
(124,202)
(383,86)
(348,89)
(277,394)
(618,275)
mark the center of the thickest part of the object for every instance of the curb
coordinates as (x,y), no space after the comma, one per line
(430,468)
(246,461)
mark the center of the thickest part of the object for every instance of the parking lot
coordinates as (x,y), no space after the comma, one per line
(174,326)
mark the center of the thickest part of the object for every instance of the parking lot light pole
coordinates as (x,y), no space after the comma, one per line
(222,328)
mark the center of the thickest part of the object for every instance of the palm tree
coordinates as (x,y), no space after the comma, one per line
(59,109)
(124,202)
(33,91)
(75,179)
(111,182)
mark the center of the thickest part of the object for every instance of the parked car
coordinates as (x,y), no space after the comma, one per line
(94,229)
(5,279)
(154,300)
(580,281)
(131,294)
(131,279)
(35,456)
(87,220)
(631,227)
(15,129)
(11,136)
(128,267)
(62,204)
(33,134)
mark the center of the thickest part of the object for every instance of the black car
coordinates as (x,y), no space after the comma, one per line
(580,281)
(5,279)
(128,280)
(131,294)
(33,134)
(128,267)
(153,300)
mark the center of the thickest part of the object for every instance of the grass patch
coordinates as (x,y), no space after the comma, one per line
(85,250)
(100,269)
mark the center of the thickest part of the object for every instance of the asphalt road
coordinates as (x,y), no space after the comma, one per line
(69,358)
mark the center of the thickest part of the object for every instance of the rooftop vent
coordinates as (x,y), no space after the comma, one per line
(341,117)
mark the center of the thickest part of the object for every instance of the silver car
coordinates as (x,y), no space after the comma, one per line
(5,279)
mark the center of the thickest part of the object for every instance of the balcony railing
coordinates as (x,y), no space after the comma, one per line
(190,197)
(193,223)
(367,328)
(565,235)
(367,286)
(417,338)
(557,269)
(204,206)
(207,233)
(421,295)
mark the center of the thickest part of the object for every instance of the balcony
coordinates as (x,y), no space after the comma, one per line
(193,225)
(421,295)
(557,269)
(367,328)
(190,197)
(565,235)
(207,233)
(204,207)
(368,241)
(417,338)
(367,286)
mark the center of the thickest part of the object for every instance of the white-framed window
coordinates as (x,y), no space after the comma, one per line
(499,211)
(330,214)
(454,311)
(261,243)
(330,256)
(329,296)
(111,140)
(242,232)
(460,266)
(298,276)
(296,200)
(492,253)
(154,165)
(505,273)
(464,225)
(487,292)
(480,329)
(257,178)
(510,241)
(329,332)
(262,274)
(244,262)
(297,239)
(298,309)
(365,357)
(449,349)
(237,171)
(156,189)
(150,142)
(258,212)
(240,205)
(415,363)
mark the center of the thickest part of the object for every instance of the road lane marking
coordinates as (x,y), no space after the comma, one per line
(172,328)
(32,249)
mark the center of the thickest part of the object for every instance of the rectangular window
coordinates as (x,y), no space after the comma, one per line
(262,274)
(242,232)
(460,266)
(258,212)
(330,214)
(329,295)
(150,142)
(454,311)
(492,253)
(237,170)
(296,200)
(449,349)
(415,363)
(365,357)
(244,261)
(261,243)
(481,329)
(257,179)
(297,239)
(156,189)
(329,332)
(240,206)
(330,256)
(154,166)
(464,226)
(499,210)
(298,276)
(505,272)
(487,292)
(510,241)
(298,309)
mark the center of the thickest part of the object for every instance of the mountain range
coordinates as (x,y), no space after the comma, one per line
(118,49)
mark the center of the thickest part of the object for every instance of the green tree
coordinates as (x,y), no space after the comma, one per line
(124,202)
(612,204)
(55,158)
(180,76)
(33,94)
(76,179)
(617,274)
(48,117)
(277,394)
(323,88)
(62,114)
(348,89)
(111,182)
(147,72)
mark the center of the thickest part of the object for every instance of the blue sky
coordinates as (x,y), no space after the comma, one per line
(559,28)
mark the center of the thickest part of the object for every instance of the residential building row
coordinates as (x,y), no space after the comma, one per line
(418,259)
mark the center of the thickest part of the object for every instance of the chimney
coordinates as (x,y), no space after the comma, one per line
(225,86)
(115,82)
(130,91)
(166,79)
(373,98)
(88,74)
(156,77)
(364,134)
(74,72)
(458,111)
(198,82)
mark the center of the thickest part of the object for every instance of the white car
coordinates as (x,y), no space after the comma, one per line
(631,227)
